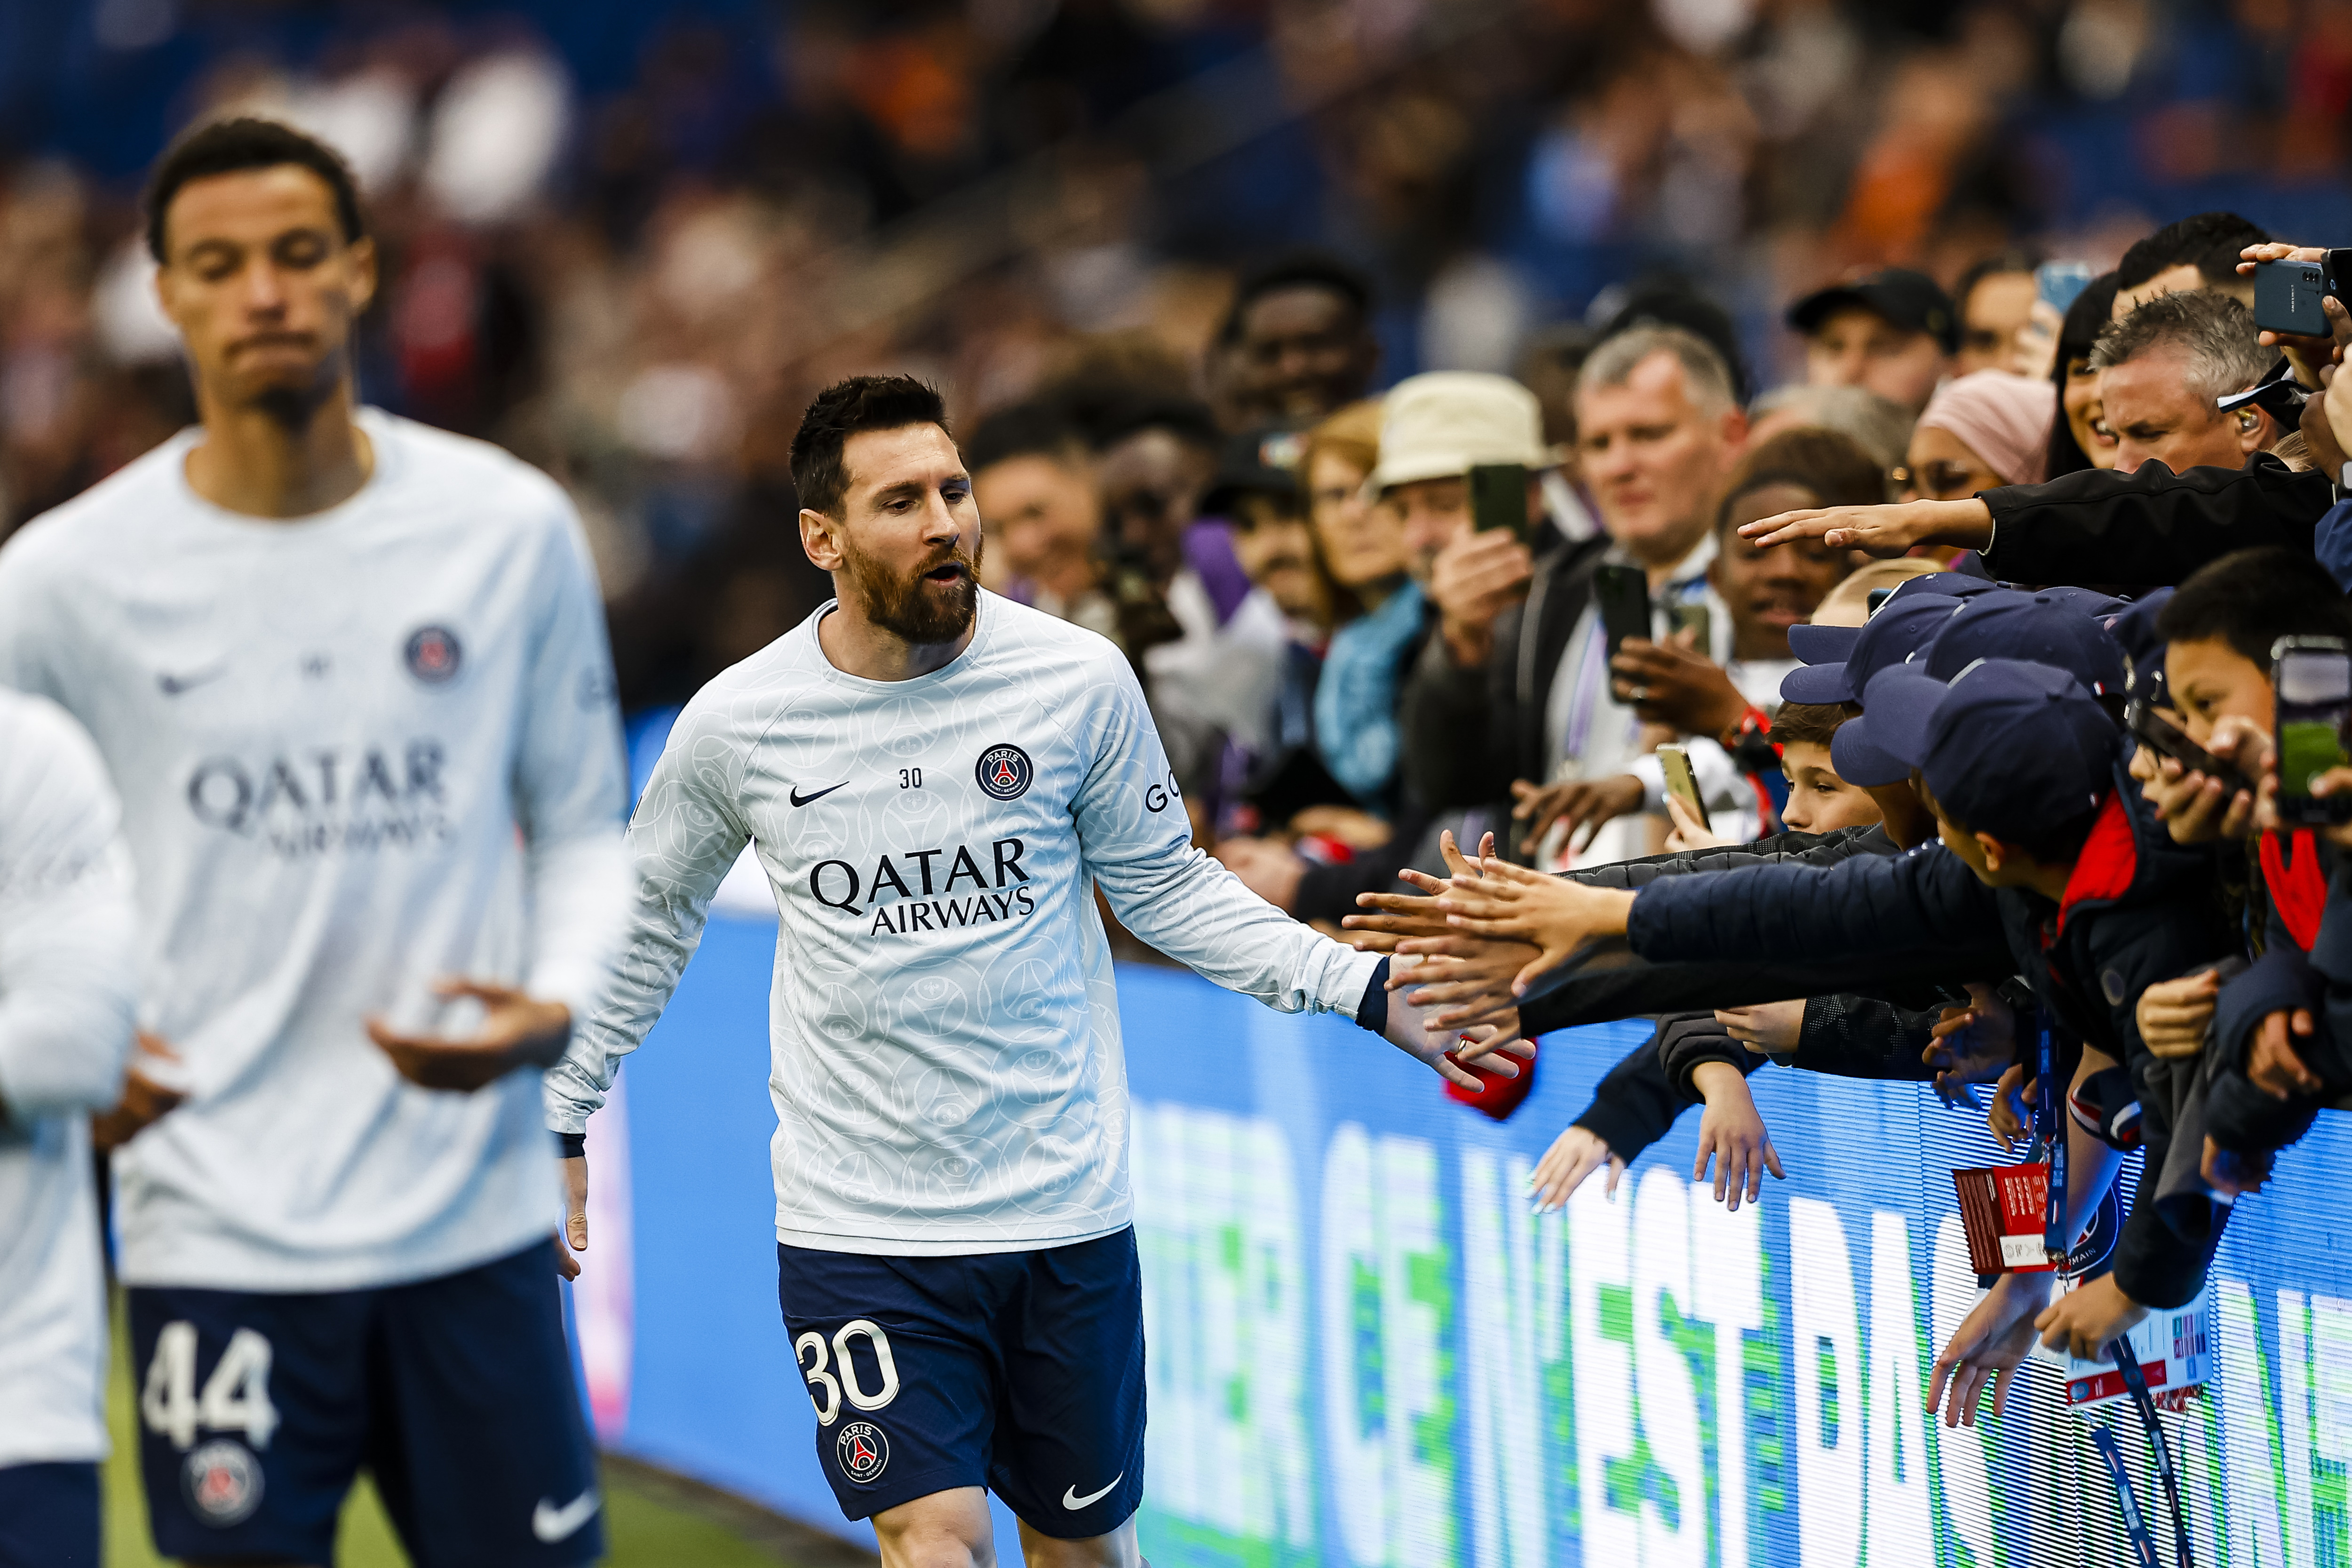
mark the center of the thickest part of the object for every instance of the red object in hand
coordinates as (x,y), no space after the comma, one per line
(1501,1095)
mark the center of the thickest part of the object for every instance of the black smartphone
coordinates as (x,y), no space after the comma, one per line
(2165,739)
(1877,597)
(2287,297)
(2313,680)
(1624,595)
(1498,497)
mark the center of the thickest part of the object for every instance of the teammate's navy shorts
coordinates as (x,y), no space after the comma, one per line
(257,1409)
(49,1516)
(1021,1371)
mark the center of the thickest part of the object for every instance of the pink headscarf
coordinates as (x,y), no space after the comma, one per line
(2003,419)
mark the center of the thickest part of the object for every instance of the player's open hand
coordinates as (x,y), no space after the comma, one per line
(2086,1320)
(517,1030)
(1557,916)
(1444,1050)
(146,1100)
(1991,1343)
(1895,529)
(576,1215)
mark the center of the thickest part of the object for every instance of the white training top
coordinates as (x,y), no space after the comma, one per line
(357,752)
(945,1058)
(66,996)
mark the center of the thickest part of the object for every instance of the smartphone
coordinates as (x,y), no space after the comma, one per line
(2057,283)
(1624,595)
(1680,781)
(1498,497)
(2165,739)
(1877,597)
(2287,297)
(1692,618)
(2313,677)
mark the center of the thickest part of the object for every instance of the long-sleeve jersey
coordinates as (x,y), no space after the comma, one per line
(357,752)
(66,990)
(945,1057)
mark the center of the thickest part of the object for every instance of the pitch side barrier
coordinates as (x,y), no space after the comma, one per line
(1366,1350)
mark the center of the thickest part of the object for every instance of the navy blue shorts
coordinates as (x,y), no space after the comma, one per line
(1021,1371)
(257,1409)
(49,1516)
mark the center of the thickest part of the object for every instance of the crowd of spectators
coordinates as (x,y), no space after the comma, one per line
(1890,491)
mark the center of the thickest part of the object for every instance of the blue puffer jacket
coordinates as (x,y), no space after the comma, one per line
(2138,909)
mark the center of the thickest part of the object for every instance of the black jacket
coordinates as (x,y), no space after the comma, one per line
(2151,526)
(1634,1105)
(1469,733)
(2139,910)
(1614,982)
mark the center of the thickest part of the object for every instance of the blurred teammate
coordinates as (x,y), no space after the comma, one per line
(936,780)
(66,996)
(350,676)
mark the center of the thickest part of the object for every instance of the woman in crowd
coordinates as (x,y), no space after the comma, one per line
(1363,546)
(1980,432)
(2079,436)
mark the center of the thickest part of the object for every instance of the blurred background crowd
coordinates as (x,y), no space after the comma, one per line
(1157,253)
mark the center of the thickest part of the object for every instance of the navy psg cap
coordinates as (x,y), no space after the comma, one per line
(2035,626)
(2009,748)
(1901,626)
(2134,630)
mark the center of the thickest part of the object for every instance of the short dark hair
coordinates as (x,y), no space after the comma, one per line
(1299,270)
(1034,430)
(2008,259)
(233,146)
(1807,724)
(847,408)
(1828,465)
(2250,599)
(2207,241)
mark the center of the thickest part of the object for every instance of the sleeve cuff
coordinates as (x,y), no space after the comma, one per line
(1373,1011)
(571,1145)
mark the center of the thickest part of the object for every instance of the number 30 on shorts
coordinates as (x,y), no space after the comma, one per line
(826,1391)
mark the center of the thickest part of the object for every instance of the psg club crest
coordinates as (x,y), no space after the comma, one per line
(862,1449)
(432,655)
(223,1480)
(1004,772)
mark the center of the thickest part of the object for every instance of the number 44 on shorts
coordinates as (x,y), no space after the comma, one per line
(236,1397)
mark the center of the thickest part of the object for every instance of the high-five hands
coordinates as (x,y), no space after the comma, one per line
(1883,530)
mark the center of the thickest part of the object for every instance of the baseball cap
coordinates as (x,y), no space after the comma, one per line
(1910,299)
(1262,462)
(2134,630)
(1828,645)
(1901,628)
(2009,748)
(2035,626)
(1441,424)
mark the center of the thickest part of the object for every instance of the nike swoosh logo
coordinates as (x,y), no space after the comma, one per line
(1072,1501)
(800,799)
(173,685)
(550,1524)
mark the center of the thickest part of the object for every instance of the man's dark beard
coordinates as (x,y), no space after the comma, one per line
(912,607)
(292,406)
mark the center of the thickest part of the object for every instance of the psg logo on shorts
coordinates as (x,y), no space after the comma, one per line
(862,1449)
(223,1480)
(432,655)
(1004,772)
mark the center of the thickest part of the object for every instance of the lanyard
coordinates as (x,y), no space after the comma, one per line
(2136,1382)
(2050,1140)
